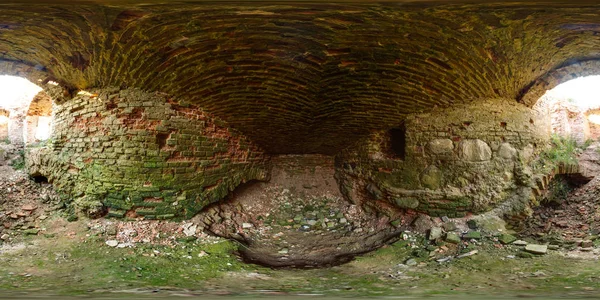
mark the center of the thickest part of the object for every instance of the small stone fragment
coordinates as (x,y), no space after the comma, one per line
(586,244)
(411,262)
(476,235)
(28,207)
(435,233)
(520,243)
(452,237)
(536,249)
(247,225)
(112,243)
(507,238)
(449,226)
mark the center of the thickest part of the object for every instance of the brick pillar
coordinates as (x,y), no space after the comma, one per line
(16,123)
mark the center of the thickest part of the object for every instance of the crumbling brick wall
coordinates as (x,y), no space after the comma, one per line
(140,154)
(467,158)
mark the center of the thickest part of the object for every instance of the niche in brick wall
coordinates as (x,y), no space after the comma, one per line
(161,140)
(397,144)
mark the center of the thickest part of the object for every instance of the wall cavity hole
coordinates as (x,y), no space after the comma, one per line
(161,140)
(467,124)
(503,124)
(531,121)
(398,142)
(39,179)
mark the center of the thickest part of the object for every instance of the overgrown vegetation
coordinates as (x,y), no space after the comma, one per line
(18,163)
(563,150)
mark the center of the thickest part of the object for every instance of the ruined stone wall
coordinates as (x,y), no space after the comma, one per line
(3,124)
(467,158)
(567,119)
(38,120)
(141,155)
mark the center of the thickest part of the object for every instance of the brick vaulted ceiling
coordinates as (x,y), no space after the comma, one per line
(299,77)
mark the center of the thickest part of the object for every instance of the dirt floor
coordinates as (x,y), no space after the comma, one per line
(43,254)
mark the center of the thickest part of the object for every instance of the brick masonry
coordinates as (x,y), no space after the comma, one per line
(141,154)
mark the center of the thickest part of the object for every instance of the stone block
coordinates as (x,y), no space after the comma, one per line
(474,150)
(440,146)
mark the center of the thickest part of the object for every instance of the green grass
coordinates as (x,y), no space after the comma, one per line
(19,162)
(563,150)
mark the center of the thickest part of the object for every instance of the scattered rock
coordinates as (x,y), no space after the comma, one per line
(586,244)
(112,243)
(489,223)
(449,226)
(536,249)
(435,233)
(476,235)
(28,207)
(411,262)
(506,238)
(470,253)
(452,237)
(520,243)
(422,223)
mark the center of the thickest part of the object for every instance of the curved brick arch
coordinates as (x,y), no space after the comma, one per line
(41,105)
(550,80)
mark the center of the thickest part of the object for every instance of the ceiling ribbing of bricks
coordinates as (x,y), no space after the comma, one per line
(301,77)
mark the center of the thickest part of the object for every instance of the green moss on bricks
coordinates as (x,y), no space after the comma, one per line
(174,176)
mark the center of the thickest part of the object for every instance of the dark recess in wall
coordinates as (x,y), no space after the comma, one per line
(398,141)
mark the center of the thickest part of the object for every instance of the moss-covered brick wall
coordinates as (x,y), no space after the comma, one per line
(467,158)
(138,154)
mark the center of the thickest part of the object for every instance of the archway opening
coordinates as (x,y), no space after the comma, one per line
(574,109)
(27,111)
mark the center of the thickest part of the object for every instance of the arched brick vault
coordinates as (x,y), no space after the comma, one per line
(301,78)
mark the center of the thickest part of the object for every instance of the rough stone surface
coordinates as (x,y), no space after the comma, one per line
(475,179)
(474,150)
(440,146)
(507,151)
(507,238)
(431,178)
(536,249)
